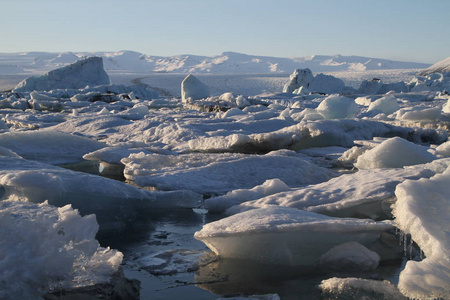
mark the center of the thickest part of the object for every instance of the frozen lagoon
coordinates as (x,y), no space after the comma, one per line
(161,244)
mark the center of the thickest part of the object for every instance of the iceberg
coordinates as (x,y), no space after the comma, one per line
(285,236)
(78,75)
(194,89)
(299,78)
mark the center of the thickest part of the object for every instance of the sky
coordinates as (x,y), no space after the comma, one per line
(406,30)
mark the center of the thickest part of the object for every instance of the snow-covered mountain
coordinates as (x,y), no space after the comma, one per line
(225,63)
(439,67)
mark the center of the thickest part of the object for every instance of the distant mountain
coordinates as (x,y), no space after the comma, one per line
(226,63)
(439,67)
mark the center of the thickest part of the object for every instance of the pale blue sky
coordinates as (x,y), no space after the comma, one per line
(414,30)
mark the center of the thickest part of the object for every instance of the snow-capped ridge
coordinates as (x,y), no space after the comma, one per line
(228,62)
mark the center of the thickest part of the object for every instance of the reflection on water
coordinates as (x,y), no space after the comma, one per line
(161,252)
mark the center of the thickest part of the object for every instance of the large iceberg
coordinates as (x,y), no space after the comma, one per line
(78,75)
(286,236)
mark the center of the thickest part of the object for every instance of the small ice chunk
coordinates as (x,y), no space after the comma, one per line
(235,197)
(358,288)
(351,255)
(337,107)
(386,105)
(444,149)
(394,153)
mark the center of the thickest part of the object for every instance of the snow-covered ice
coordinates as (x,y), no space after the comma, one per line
(358,194)
(295,162)
(78,75)
(46,248)
(394,153)
(422,210)
(219,173)
(358,288)
(287,236)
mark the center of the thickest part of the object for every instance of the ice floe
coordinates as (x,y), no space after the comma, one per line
(281,235)
(219,173)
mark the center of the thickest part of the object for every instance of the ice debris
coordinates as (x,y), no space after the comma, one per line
(44,248)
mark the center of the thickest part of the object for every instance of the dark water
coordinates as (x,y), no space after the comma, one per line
(162,253)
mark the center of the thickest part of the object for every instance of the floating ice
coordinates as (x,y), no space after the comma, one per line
(326,84)
(337,107)
(299,78)
(324,133)
(257,142)
(235,197)
(193,88)
(429,114)
(51,147)
(422,210)
(444,149)
(394,153)
(280,235)
(78,75)
(387,105)
(358,288)
(350,256)
(44,248)
(357,194)
(221,172)
(112,201)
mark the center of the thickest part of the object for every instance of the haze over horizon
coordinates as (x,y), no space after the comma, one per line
(403,30)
